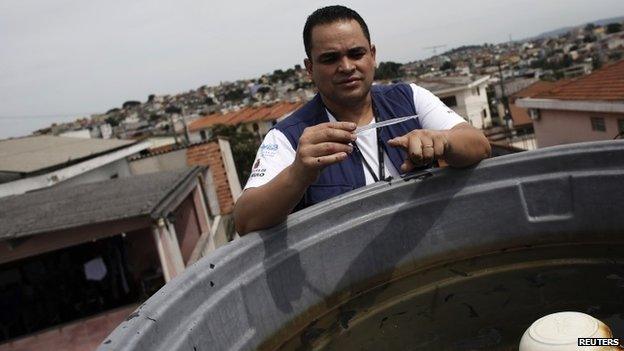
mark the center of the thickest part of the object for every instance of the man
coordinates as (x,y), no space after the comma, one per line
(314,154)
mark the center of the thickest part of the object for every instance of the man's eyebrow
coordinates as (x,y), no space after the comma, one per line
(350,51)
(328,54)
(357,49)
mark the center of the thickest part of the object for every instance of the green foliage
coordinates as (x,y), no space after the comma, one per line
(244,146)
(388,70)
(596,62)
(114,122)
(614,28)
(264,89)
(566,61)
(616,55)
(447,65)
(235,95)
(279,75)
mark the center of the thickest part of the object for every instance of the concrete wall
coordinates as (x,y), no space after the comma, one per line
(83,134)
(164,162)
(210,155)
(82,335)
(119,168)
(187,227)
(557,127)
(470,106)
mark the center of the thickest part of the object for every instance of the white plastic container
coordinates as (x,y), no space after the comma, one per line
(561,331)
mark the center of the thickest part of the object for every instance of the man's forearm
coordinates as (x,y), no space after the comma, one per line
(466,146)
(270,204)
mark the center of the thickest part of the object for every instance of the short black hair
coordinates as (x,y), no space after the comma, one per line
(330,14)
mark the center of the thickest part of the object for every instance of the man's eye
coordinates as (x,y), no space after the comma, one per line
(328,58)
(357,54)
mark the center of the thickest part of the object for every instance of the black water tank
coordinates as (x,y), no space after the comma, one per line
(451,259)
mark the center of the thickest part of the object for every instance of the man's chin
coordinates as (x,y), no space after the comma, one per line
(352,97)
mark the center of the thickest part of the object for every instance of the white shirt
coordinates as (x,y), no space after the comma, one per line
(276,153)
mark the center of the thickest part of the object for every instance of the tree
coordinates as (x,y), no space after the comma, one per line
(388,70)
(566,61)
(590,27)
(596,62)
(614,28)
(234,95)
(264,89)
(114,122)
(244,145)
(447,65)
(131,104)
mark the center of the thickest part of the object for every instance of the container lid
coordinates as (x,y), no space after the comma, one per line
(560,331)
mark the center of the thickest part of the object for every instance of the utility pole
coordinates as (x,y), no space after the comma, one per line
(175,135)
(505,100)
(434,48)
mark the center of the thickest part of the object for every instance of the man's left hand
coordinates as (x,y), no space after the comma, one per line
(423,146)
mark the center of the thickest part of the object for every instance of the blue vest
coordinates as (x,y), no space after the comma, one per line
(391,101)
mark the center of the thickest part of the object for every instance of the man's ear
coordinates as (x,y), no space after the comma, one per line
(374,53)
(308,65)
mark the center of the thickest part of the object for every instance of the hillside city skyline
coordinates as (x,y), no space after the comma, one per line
(22,124)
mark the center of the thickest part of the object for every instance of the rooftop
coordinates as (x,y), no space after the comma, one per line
(604,84)
(246,115)
(441,84)
(34,153)
(539,87)
(63,207)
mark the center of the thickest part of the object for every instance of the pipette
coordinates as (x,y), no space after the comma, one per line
(385,123)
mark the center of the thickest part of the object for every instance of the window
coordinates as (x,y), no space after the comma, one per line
(620,125)
(449,101)
(534,113)
(598,124)
(478,91)
(203,135)
(484,113)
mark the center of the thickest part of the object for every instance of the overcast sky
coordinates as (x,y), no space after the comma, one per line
(64,59)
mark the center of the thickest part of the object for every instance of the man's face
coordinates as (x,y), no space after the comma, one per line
(342,62)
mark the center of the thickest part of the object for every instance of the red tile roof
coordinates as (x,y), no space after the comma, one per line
(246,115)
(539,87)
(605,84)
(520,115)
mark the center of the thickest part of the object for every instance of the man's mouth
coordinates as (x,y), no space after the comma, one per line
(349,81)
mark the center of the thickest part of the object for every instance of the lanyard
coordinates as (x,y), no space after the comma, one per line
(380,153)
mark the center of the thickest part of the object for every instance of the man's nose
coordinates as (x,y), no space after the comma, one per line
(346,65)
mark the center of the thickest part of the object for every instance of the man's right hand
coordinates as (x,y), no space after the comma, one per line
(320,146)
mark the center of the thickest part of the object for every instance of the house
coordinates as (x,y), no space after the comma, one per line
(37,162)
(465,95)
(89,228)
(583,109)
(256,119)
(75,260)
(221,181)
(520,128)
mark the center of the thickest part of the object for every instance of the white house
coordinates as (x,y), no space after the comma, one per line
(465,95)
